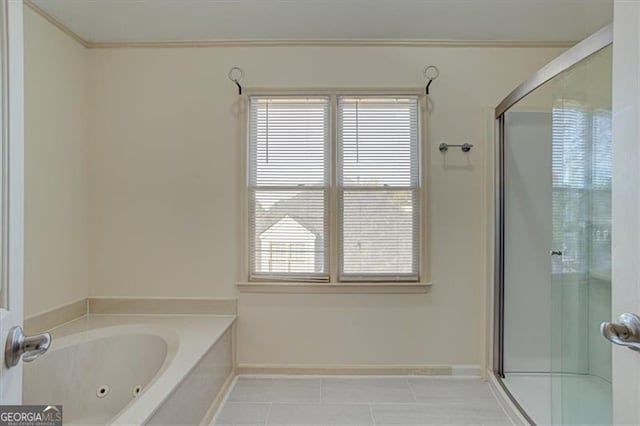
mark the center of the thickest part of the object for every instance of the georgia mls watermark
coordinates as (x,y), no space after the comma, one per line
(30,415)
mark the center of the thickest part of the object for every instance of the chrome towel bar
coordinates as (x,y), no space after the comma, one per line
(444,147)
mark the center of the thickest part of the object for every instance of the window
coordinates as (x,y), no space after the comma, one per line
(362,177)
(378,178)
(289,188)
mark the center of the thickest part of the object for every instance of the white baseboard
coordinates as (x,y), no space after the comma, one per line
(466,370)
(359,370)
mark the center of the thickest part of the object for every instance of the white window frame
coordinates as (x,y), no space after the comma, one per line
(269,277)
(423,282)
(342,276)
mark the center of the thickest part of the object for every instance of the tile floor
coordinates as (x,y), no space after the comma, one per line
(360,401)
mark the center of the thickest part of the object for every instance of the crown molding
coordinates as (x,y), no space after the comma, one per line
(331,43)
(55,22)
(296,43)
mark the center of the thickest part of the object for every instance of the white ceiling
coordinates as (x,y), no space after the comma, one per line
(212,20)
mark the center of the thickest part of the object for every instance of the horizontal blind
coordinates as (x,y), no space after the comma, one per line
(581,204)
(570,134)
(379,188)
(602,161)
(288,188)
(601,174)
(570,126)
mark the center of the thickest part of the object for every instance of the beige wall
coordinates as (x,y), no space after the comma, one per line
(165,193)
(56,167)
(153,207)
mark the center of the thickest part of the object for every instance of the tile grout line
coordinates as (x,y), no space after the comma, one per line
(266,419)
(413,395)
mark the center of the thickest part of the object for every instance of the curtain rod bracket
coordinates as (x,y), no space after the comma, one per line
(431,73)
(236,74)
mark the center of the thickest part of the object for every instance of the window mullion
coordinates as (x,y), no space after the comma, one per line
(334,204)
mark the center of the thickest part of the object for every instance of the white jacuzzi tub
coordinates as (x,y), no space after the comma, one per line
(128,369)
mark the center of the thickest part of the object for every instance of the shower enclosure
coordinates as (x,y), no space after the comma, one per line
(553,239)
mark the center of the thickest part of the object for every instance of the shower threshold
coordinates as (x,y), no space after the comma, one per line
(583,399)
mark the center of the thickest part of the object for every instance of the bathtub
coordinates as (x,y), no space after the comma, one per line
(133,369)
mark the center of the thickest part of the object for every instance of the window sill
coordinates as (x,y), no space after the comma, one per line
(325,288)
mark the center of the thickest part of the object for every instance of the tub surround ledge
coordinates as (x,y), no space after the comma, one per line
(159,306)
(55,317)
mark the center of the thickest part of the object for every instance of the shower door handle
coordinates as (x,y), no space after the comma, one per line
(626,332)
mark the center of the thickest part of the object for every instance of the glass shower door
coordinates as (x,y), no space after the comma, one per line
(581,242)
(556,156)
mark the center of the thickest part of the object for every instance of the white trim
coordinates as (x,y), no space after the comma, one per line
(626,202)
(470,370)
(331,91)
(416,188)
(333,43)
(220,399)
(384,370)
(53,21)
(15,161)
(243,132)
(4,159)
(425,189)
(335,288)
(486,326)
(264,284)
(12,189)
(322,101)
(334,202)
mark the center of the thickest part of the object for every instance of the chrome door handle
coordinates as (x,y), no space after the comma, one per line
(624,333)
(20,346)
